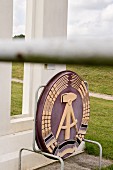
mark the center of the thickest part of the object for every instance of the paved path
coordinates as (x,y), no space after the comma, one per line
(97,95)
(79,162)
(17,80)
(101,96)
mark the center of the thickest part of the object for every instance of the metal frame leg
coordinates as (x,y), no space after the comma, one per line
(39,152)
(34,147)
(100,148)
(55,157)
(20,156)
(35,109)
(19,163)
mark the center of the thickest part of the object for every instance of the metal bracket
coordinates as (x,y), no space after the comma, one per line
(42,153)
(100,148)
(35,150)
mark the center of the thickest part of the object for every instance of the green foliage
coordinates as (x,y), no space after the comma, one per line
(19,36)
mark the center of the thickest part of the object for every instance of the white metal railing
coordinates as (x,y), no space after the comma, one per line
(79,51)
(82,51)
(59,51)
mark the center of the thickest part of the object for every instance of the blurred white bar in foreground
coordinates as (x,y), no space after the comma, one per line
(59,51)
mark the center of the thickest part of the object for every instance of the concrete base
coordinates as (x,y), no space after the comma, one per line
(9,152)
(29,161)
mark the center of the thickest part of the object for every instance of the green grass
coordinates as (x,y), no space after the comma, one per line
(16,89)
(100,79)
(101,127)
(16,98)
(17,70)
(108,168)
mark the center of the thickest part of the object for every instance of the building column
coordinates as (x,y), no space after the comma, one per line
(45,19)
(6,27)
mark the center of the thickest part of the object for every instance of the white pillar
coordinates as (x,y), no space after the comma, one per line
(6,23)
(45,19)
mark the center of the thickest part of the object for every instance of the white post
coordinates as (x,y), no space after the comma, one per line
(6,22)
(45,19)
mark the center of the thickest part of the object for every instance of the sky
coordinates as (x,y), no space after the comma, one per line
(86,18)
(19,16)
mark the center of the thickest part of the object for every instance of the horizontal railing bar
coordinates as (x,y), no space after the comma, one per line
(82,51)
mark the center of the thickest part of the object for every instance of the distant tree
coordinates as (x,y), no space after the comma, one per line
(19,36)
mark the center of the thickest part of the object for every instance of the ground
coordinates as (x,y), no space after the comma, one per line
(82,161)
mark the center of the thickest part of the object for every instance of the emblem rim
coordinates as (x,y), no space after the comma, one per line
(40,106)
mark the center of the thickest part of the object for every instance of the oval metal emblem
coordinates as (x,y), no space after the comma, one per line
(62,114)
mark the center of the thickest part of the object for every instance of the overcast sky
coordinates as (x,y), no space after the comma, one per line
(19,10)
(89,18)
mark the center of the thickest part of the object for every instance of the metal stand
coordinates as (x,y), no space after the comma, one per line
(42,153)
(35,150)
(94,142)
(100,148)
(34,146)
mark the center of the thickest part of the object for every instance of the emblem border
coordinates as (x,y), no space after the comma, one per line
(45,139)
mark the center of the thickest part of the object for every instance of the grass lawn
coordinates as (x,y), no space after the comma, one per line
(108,168)
(17,70)
(16,98)
(100,79)
(101,127)
(16,89)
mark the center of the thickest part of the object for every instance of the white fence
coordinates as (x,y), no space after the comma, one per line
(59,51)
(17,133)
